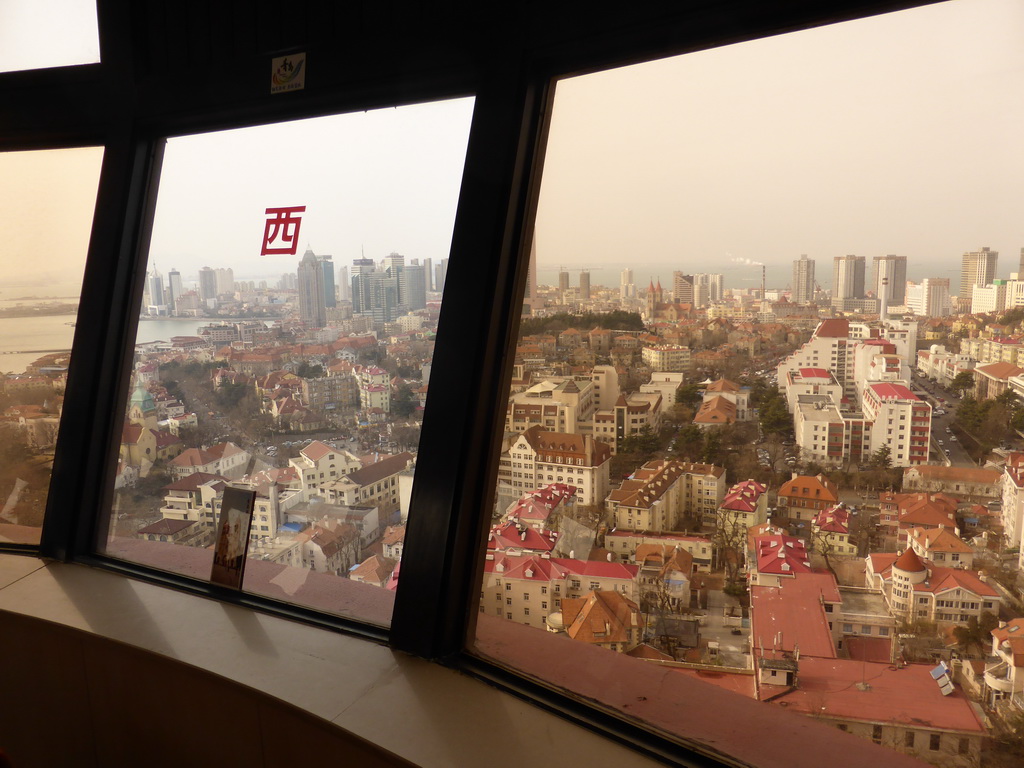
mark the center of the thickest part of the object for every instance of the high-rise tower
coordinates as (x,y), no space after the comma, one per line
(892,269)
(682,288)
(310,278)
(803,280)
(327,265)
(848,277)
(977,268)
(207,284)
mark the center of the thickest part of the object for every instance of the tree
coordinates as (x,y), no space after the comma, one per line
(307,370)
(882,458)
(977,633)
(962,382)
(774,416)
(730,539)
(688,395)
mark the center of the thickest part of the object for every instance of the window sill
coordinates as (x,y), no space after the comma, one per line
(419,711)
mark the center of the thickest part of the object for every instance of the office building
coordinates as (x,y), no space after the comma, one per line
(627,288)
(977,268)
(225,281)
(344,284)
(803,280)
(682,288)
(207,284)
(310,278)
(929,298)
(584,285)
(848,277)
(412,287)
(891,270)
(707,289)
(174,288)
(440,274)
(563,280)
(330,296)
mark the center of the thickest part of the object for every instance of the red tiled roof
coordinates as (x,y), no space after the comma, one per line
(788,617)
(906,696)
(887,391)
(909,561)
(781,555)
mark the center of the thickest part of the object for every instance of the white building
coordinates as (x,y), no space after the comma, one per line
(538,457)
(929,298)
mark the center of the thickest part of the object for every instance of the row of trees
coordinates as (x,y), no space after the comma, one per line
(618,320)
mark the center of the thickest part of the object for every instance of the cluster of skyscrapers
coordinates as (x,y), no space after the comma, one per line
(889,288)
(382,291)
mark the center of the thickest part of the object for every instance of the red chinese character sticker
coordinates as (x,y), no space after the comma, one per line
(282,227)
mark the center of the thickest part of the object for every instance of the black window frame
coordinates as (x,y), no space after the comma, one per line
(122,105)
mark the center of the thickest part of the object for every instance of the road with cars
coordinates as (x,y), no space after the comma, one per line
(945,444)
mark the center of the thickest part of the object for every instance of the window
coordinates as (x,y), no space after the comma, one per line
(482,254)
(934,742)
(876,734)
(36,35)
(185,297)
(47,199)
(908,739)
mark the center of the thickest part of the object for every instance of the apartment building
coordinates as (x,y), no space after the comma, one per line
(659,495)
(319,463)
(900,420)
(803,497)
(745,505)
(538,457)
(375,485)
(529,588)
(830,532)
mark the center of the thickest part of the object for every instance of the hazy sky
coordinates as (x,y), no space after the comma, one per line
(901,134)
(895,134)
(47,33)
(47,199)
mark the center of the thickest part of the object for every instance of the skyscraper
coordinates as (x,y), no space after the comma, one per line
(225,280)
(627,289)
(531,299)
(327,265)
(707,288)
(803,280)
(174,289)
(440,274)
(977,268)
(682,288)
(344,286)
(155,288)
(374,291)
(428,273)
(585,285)
(563,280)
(848,277)
(412,287)
(310,278)
(207,284)
(893,268)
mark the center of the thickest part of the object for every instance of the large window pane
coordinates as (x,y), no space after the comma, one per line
(684,377)
(47,200)
(47,33)
(292,293)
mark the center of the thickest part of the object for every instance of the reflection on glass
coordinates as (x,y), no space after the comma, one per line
(47,33)
(637,554)
(46,208)
(291,297)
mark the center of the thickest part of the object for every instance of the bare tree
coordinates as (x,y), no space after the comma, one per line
(730,540)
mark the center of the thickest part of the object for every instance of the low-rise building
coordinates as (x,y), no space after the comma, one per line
(528,588)
(537,458)
(804,496)
(918,589)
(1004,672)
(967,482)
(830,532)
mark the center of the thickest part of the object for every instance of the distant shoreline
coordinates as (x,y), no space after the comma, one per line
(39,311)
